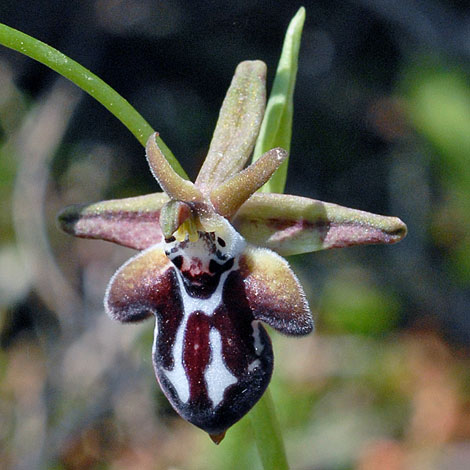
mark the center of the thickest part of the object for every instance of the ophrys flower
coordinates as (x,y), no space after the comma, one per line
(210,269)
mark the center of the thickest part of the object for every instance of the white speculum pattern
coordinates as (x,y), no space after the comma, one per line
(217,376)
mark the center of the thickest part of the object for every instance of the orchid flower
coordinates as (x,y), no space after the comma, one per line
(210,267)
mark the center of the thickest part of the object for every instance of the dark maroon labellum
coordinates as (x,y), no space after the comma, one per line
(213,364)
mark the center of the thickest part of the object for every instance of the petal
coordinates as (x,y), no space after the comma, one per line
(292,224)
(173,184)
(131,222)
(144,285)
(274,293)
(237,127)
(230,195)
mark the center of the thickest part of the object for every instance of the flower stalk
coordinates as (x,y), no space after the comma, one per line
(87,81)
(268,434)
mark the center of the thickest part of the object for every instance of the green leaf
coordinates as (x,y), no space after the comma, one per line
(276,128)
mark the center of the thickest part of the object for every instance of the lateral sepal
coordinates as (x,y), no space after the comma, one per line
(292,225)
(131,222)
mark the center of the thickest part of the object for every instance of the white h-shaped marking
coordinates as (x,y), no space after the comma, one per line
(217,375)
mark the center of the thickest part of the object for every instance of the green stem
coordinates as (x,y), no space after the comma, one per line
(88,82)
(276,131)
(268,434)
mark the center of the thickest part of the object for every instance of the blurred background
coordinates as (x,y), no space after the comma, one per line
(382,124)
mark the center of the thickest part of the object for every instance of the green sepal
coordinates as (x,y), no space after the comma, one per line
(292,225)
(131,222)
(237,127)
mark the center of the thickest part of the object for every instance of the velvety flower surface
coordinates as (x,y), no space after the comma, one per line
(209,267)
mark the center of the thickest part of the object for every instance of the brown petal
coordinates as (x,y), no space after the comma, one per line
(274,293)
(173,184)
(292,224)
(131,222)
(230,195)
(144,285)
(237,127)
